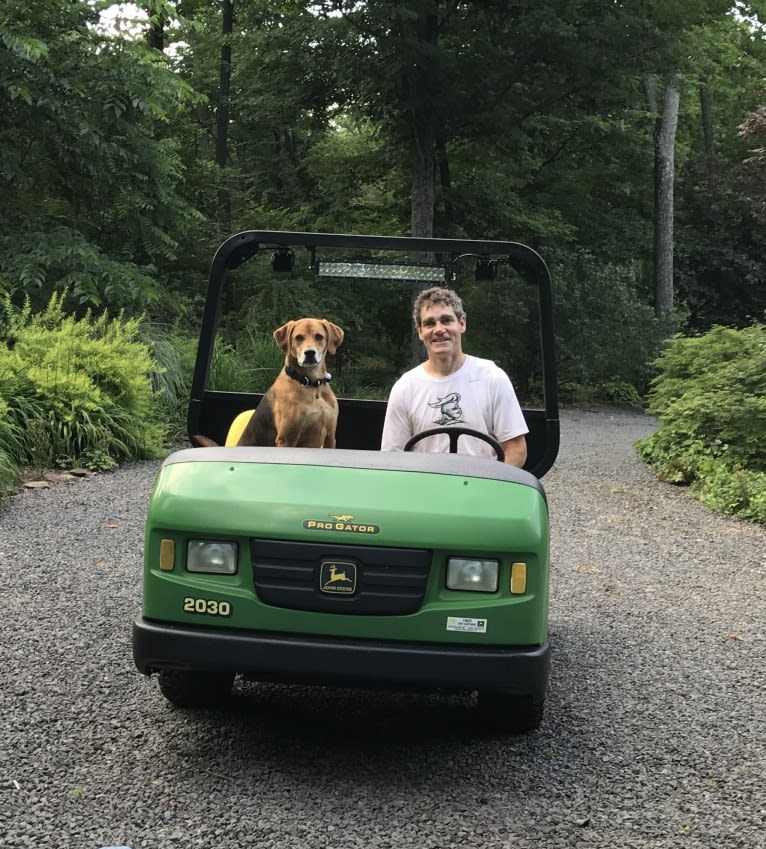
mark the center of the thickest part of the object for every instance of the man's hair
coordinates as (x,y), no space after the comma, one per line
(437,295)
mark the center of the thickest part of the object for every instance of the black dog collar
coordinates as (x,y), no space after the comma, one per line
(304,381)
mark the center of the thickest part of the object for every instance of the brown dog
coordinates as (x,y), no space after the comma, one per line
(299,409)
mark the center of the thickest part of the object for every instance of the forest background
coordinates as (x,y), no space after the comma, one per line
(623,141)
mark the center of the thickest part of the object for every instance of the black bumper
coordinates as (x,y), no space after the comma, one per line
(342,662)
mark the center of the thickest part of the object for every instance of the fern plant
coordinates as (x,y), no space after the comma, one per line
(83,386)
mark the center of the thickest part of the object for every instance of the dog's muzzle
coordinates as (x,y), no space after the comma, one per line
(309,356)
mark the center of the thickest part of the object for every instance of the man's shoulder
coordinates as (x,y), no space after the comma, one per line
(407,379)
(478,362)
(414,373)
(481,365)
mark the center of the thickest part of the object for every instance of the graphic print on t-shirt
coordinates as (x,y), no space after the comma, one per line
(449,409)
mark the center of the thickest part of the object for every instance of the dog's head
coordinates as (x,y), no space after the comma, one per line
(307,340)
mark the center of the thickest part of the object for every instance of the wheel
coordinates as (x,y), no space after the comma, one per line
(188,688)
(510,713)
(454,433)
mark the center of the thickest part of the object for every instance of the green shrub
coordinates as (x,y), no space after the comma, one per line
(607,336)
(710,401)
(77,391)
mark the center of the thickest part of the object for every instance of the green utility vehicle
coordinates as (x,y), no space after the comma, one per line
(444,558)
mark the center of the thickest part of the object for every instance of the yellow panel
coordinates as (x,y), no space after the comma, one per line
(518,578)
(167,555)
(237,427)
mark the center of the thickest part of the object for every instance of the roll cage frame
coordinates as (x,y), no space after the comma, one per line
(360,421)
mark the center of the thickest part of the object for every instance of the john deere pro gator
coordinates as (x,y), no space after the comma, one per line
(351,566)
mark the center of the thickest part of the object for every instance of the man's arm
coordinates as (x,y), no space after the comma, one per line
(515,450)
(508,417)
(396,427)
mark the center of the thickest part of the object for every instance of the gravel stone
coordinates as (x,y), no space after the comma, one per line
(654,735)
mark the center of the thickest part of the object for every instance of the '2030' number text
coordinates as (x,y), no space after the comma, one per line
(207,606)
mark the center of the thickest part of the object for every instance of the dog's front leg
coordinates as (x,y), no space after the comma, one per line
(300,434)
(287,440)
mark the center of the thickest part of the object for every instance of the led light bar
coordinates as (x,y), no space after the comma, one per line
(383,271)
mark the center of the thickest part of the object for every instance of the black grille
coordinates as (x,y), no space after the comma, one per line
(356,578)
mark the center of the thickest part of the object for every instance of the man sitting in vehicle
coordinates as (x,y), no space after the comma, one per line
(453,388)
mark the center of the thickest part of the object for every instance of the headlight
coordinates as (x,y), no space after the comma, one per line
(476,575)
(218,558)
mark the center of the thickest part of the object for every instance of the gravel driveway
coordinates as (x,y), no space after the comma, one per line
(655,727)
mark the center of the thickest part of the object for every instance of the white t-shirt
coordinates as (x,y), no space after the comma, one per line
(479,395)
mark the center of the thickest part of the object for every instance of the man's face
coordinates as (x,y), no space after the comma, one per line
(440,330)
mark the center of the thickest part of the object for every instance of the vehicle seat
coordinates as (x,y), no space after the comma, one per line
(237,427)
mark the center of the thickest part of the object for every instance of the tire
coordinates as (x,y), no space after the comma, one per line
(510,713)
(193,688)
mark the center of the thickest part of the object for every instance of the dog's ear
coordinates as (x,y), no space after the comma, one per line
(334,335)
(282,335)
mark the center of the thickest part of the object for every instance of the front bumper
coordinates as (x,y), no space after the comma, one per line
(342,662)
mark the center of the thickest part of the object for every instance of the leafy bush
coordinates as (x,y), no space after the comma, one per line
(77,391)
(710,403)
(607,336)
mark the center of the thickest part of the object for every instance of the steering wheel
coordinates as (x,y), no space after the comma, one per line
(454,433)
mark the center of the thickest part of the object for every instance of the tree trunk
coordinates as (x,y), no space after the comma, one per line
(651,93)
(445,216)
(158,20)
(155,38)
(222,114)
(664,179)
(706,109)
(422,210)
(422,161)
(422,135)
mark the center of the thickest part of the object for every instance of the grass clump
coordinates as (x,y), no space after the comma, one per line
(710,401)
(10,445)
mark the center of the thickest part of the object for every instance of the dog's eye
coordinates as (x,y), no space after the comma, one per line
(318,337)
(299,337)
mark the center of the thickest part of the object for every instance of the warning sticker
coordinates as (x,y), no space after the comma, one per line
(473,626)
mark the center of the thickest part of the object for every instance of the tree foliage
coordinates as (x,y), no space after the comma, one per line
(90,184)
(527,121)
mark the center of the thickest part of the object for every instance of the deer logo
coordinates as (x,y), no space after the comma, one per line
(337,577)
